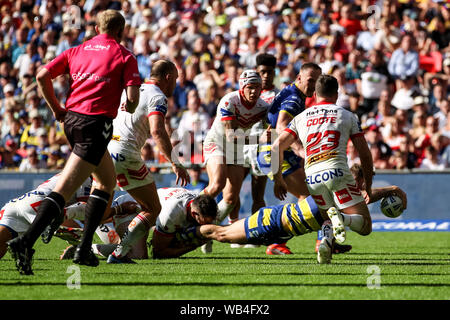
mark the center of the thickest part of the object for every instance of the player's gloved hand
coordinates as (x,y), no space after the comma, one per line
(182,175)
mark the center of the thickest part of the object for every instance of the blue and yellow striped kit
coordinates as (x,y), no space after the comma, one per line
(291,161)
(265,226)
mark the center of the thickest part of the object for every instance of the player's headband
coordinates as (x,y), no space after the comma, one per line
(249,76)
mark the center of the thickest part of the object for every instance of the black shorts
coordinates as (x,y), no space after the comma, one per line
(88,135)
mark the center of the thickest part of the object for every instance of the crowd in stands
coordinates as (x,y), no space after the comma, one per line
(391,58)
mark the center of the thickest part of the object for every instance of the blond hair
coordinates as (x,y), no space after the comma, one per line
(111,22)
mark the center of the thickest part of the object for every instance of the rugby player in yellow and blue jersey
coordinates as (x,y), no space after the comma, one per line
(278,224)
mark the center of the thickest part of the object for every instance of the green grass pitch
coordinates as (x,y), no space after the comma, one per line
(396,265)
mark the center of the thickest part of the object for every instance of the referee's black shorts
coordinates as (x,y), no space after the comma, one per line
(88,135)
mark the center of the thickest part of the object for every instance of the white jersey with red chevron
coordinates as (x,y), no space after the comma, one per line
(231,107)
(131,130)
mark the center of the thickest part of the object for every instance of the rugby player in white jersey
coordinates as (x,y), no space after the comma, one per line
(324,131)
(265,66)
(223,148)
(17,215)
(129,136)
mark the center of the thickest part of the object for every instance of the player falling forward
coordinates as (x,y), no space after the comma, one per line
(129,135)
(283,222)
(181,210)
(324,131)
(286,105)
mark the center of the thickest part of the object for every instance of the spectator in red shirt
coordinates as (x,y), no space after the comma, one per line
(100,69)
(348,20)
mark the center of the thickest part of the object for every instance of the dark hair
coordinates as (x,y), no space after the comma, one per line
(310,65)
(206,205)
(266,59)
(326,86)
(161,68)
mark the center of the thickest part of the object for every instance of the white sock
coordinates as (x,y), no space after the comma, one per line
(223,210)
(136,230)
(354,221)
(103,250)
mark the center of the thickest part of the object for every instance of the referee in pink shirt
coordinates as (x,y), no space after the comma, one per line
(99,69)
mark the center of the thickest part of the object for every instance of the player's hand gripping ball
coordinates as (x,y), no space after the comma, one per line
(391,206)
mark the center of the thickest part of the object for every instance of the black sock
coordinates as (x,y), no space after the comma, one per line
(50,207)
(95,208)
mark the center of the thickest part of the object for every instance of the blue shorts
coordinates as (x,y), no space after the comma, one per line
(264,227)
(291,161)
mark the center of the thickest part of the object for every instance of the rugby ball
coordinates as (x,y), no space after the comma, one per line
(391,206)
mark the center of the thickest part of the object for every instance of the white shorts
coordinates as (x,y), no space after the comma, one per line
(216,146)
(130,168)
(333,188)
(19,213)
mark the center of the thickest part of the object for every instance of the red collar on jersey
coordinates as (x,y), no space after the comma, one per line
(322,103)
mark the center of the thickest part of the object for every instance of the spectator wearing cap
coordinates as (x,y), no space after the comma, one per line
(10,157)
(404,61)
(311,17)
(55,161)
(375,138)
(32,161)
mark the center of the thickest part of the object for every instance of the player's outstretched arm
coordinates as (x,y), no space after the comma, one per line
(234,233)
(163,246)
(380,193)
